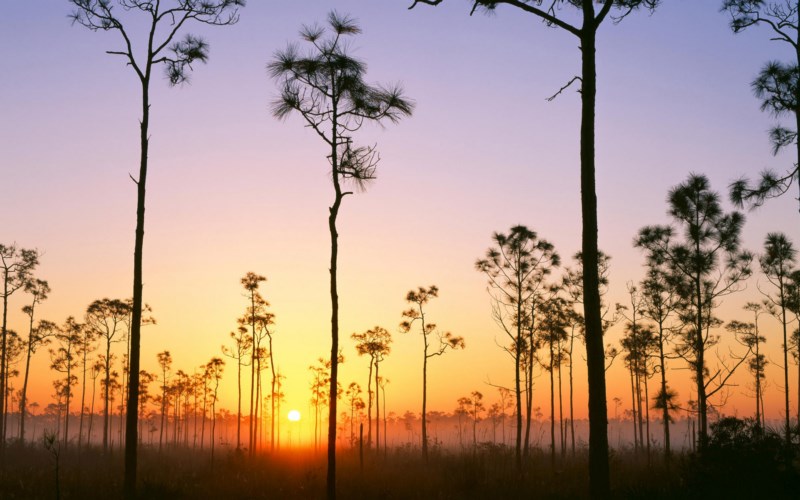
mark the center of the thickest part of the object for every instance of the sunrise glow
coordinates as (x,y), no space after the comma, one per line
(272,229)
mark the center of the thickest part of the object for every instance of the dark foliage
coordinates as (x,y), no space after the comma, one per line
(742,460)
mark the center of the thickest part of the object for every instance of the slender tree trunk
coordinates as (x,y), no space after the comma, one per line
(83,397)
(91,414)
(571,400)
(633,408)
(665,410)
(518,391)
(369,405)
(106,396)
(599,473)
(788,428)
(552,410)
(251,429)
(131,427)
(758,384)
(334,211)
(68,389)
(385,435)
(647,416)
(529,394)
(699,347)
(3,370)
(425,400)
(23,400)
(239,406)
(377,410)
(562,432)
(203,420)
(637,371)
(272,398)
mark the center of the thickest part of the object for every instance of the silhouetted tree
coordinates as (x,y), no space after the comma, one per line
(251,282)
(64,360)
(326,87)
(163,21)
(165,363)
(86,345)
(15,348)
(16,264)
(353,395)
(552,329)
(375,343)
(241,350)
(214,368)
(516,267)
(777,263)
(94,373)
(106,318)
(750,336)
(37,336)
(474,408)
(712,264)
(793,306)
(381,383)
(659,302)
(145,379)
(441,343)
(777,88)
(637,344)
(584,28)
(572,283)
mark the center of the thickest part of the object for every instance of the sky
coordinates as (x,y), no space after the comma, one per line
(231,189)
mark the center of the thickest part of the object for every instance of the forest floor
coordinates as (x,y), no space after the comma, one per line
(29,472)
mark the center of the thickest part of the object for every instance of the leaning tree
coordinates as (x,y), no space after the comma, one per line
(162,23)
(326,87)
(584,25)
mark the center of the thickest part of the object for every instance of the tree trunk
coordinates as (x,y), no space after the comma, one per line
(377,410)
(369,405)
(788,428)
(23,400)
(3,372)
(272,398)
(251,431)
(425,400)
(571,401)
(83,397)
(131,427)
(239,405)
(699,347)
(665,410)
(334,211)
(518,393)
(552,410)
(599,473)
(106,396)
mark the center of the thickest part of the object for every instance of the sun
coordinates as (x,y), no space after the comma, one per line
(294,415)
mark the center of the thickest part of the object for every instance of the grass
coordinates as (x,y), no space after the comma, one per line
(400,474)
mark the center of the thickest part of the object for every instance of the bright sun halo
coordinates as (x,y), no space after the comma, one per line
(294,415)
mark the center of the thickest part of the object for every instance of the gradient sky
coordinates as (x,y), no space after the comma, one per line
(232,190)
